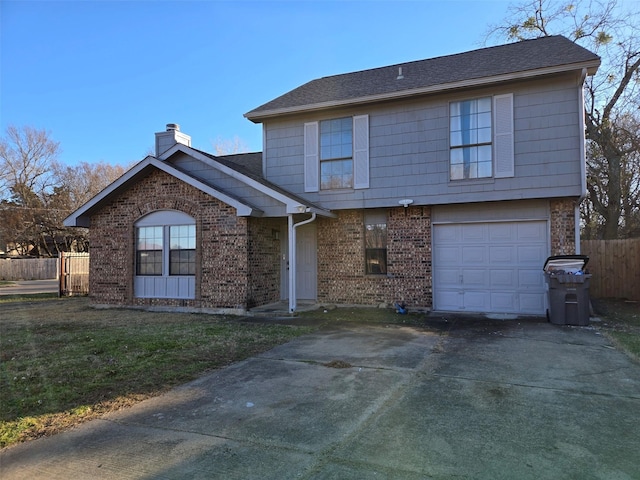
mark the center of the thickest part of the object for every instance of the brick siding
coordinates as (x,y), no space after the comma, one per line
(341,263)
(563,226)
(226,246)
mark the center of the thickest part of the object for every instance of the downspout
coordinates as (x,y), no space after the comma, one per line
(583,160)
(292,258)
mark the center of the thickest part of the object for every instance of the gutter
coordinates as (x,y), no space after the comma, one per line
(292,257)
(583,159)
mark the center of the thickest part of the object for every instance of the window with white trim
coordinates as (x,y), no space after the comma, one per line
(470,154)
(165,255)
(336,153)
(166,250)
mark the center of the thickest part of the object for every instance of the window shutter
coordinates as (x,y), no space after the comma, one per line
(361,151)
(311,166)
(503,125)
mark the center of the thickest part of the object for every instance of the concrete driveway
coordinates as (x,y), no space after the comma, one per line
(463,398)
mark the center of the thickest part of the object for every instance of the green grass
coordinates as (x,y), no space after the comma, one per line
(621,323)
(62,362)
(33,297)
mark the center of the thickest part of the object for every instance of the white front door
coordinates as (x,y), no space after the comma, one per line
(490,267)
(306,264)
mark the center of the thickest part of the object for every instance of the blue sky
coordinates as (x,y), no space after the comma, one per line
(103,76)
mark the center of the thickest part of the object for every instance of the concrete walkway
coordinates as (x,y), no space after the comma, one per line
(476,399)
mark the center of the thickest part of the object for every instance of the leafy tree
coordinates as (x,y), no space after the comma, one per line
(612,101)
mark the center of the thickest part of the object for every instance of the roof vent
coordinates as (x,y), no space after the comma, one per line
(400,76)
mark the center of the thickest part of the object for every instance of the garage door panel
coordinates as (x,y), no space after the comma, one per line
(532,231)
(502,254)
(476,301)
(474,278)
(447,233)
(501,232)
(448,277)
(450,300)
(531,279)
(474,233)
(474,255)
(531,303)
(501,278)
(502,302)
(490,267)
(531,255)
(447,255)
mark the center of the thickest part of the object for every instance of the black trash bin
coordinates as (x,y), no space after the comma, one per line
(568,289)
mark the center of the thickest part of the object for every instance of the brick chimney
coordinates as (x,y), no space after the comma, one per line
(166,140)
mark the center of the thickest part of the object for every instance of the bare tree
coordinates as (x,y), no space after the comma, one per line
(612,98)
(37,193)
(222,146)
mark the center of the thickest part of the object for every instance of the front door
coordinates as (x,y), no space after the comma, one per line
(306,264)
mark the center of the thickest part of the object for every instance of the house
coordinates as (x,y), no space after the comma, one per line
(443,184)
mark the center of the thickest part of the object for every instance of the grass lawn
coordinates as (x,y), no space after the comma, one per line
(63,362)
(621,323)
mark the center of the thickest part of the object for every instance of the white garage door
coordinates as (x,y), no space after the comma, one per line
(490,267)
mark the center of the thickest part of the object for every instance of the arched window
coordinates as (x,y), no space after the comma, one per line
(165,255)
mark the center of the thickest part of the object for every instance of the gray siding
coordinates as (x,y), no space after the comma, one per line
(409,150)
(229,185)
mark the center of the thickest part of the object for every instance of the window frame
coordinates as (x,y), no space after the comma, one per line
(373,254)
(475,139)
(161,224)
(331,154)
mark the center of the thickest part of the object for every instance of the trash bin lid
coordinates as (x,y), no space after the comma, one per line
(566,263)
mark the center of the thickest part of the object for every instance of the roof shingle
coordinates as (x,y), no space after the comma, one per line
(513,58)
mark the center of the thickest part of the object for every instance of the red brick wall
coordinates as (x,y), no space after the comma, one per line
(264,258)
(563,226)
(341,268)
(223,239)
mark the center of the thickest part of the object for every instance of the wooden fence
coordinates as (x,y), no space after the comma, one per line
(28,268)
(74,274)
(615,265)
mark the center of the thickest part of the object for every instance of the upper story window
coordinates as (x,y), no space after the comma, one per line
(470,154)
(375,242)
(336,153)
(166,245)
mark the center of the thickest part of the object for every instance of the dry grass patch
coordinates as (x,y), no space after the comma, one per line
(63,362)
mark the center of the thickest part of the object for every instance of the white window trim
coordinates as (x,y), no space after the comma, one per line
(360,154)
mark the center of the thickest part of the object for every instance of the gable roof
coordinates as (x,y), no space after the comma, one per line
(241,166)
(81,217)
(523,59)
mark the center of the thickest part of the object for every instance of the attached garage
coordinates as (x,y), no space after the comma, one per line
(490,266)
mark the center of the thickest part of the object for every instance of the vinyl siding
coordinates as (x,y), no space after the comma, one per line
(228,185)
(409,150)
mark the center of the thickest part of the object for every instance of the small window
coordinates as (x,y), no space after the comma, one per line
(182,252)
(470,139)
(375,239)
(336,153)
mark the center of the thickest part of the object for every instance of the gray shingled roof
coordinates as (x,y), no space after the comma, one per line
(555,52)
